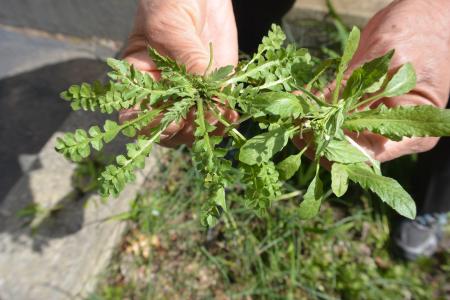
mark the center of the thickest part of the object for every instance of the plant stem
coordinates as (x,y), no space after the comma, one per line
(289,195)
(368,100)
(211,59)
(142,116)
(148,144)
(251,72)
(373,161)
(314,97)
(273,83)
(230,127)
(256,56)
(202,124)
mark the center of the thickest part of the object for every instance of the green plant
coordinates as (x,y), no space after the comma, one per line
(340,254)
(260,89)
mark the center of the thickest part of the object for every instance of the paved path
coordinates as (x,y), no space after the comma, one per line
(34,69)
(64,257)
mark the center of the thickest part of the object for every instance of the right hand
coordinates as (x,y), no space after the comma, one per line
(182,30)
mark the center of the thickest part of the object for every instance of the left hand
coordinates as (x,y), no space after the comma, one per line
(418,31)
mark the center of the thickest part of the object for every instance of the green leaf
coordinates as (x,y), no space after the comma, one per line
(318,72)
(328,128)
(221,73)
(402,121)
(281,104)
(312,199)
(377,85)
(343,152)
(289,166)
(95,131)
(114,178)
(85,90)
(262,147)
(349,50)
(339,179)
(211,221)
(166,64)
(368,77)
(274,39)
(388,189)
(402,82)
(120,66)
(129,131)
(302,72)
(111,130)
(219,198)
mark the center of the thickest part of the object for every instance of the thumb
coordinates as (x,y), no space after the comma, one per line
(174,33)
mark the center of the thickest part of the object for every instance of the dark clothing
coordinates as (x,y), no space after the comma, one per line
(254,18)
(431,181)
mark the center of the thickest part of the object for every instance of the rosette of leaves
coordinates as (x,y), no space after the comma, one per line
(261,89)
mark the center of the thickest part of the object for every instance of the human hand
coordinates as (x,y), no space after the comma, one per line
(418,31)
(183,30)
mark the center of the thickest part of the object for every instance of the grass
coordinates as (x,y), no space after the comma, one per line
(341,254)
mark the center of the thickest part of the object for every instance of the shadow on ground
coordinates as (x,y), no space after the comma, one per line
(30,112)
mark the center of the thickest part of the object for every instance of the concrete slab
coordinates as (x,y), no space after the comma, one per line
(73,245)
(22,51)
(31,111)
(111,19)
(64,258)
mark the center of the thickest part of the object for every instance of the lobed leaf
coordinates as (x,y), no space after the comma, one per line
(343,152)
(312,199)
(388,189)
(221,73)
(262,147)
(368,78)
(339,179)
(349,50)
(289,166)
(402,121)
(402,82)
(280,104)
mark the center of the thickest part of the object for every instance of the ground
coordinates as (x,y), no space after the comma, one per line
(341,254)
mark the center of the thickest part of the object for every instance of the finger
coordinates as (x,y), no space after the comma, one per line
(127,115)
(383,149)
(221,26)
(142,62)
(186,134)
(173,32)
(231,115)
